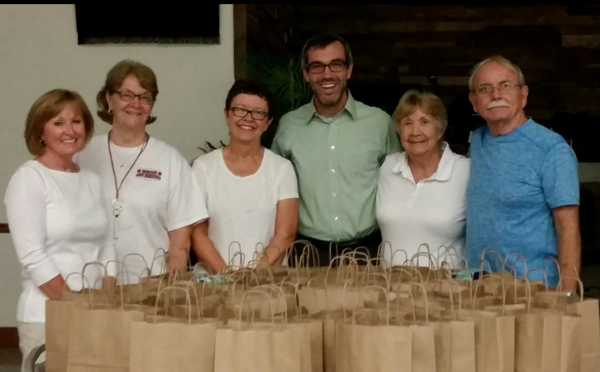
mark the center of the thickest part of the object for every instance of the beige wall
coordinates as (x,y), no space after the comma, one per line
(39,52)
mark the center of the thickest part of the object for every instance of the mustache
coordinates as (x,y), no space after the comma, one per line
(500,103)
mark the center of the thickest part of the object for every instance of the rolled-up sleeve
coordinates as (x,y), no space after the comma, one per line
(25,201)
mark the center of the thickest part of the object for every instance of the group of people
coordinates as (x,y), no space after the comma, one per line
(339,173)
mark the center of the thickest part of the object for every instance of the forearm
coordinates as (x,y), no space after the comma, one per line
(277,248)
(569,258)
(569,245)
(178,249)
(205,249)
(54,288)
(285,232)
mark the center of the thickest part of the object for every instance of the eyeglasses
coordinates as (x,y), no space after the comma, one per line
(128,96)
(242,112)
(336,65)
(487,89)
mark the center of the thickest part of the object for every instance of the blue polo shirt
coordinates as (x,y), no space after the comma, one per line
(516,180)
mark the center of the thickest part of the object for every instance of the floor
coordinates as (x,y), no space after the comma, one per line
(10,360)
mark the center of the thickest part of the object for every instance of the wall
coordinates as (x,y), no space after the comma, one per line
(397,47)
(39,52)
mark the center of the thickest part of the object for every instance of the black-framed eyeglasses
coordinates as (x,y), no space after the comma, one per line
(129,96)
(241,112)
(336,65)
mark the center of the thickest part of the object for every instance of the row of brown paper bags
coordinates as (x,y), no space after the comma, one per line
(546,331)
(85,336)
(130,337)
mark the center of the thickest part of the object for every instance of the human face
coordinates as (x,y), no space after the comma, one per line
(328,86)
(64,134)
(497,95)
(248,117)
(131,104)
(419,133)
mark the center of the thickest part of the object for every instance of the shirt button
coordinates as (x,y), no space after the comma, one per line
(336,218)
(334,194)
(333,147)
(333,171)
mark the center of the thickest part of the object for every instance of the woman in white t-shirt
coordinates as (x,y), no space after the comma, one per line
(55,212)
(149,187)
(421,192)
(250,192)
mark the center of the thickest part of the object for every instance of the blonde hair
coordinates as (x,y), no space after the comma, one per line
(114,80)
(428,102)
(495,59)
(47,107)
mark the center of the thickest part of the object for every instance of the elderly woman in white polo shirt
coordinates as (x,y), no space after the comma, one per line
(421,192)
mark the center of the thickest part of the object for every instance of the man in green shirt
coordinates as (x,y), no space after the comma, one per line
(337,145)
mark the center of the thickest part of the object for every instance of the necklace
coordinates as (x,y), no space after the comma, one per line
(116,203)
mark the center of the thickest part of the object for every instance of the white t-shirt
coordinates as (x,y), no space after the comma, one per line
(58,223)
(433,211)
(244,209)
(158,195)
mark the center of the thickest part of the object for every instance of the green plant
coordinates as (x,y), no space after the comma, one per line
(283,76)
(208,147)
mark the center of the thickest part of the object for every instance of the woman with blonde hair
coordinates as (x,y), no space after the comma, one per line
(421,192)
(57,220)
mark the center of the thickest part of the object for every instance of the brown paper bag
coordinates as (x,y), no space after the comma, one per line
(589,330)
(423,347)
(99,340)
(265,346)
(494,342)
(363,348)
(454,345)
(246,347)
(329,320)
(380,347)
(172,345)
(163,343)
(59,318)
(546,341)
(59,315)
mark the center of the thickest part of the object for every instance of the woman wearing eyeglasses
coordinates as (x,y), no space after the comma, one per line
(148,185)
(250,192)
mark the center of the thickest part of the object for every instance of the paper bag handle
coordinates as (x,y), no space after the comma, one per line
(155,257)
(387,303)
(381,249)
(172,288)
(425,300)
(405,256)
(491,276)
(253,291)
(496,254)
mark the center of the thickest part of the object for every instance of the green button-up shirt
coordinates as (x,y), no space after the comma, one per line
(337,163)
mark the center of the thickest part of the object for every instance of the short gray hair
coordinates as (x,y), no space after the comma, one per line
(496,59)
(428,102)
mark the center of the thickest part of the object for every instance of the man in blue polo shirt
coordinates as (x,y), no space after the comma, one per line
(523,192)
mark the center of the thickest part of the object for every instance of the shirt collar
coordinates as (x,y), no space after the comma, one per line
(350,107)
(443,172)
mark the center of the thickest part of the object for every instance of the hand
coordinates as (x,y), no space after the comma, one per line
(176,262)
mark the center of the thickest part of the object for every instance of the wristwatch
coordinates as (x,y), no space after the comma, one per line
(572,294)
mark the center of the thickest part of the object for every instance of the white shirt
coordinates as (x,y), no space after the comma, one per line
(244,209)
(433,211)
(158,195)
(57,224)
